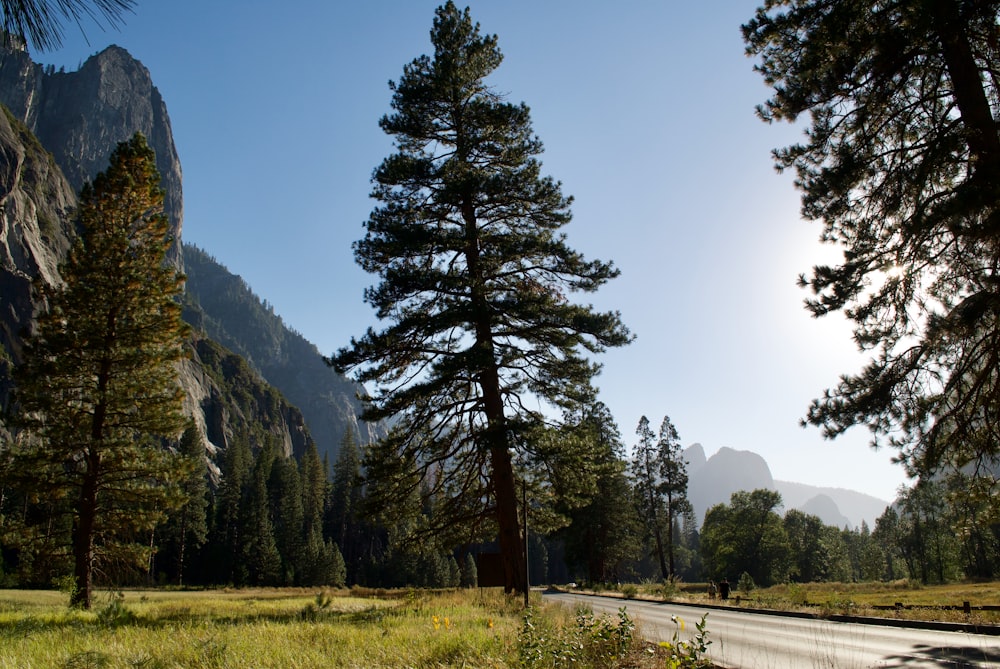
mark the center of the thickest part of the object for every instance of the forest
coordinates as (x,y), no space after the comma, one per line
(272,520)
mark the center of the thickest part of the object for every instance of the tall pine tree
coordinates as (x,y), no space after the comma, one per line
(673,485)
(98,389)
(901,165)
(475,277)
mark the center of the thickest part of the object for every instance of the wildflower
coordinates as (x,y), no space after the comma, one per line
(437,622)
(447,624)
(677,620)
(489,623)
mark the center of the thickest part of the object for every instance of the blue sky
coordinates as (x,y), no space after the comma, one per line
(646,111)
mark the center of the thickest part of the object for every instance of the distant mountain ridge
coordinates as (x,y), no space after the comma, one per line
(713,480)
(233,315)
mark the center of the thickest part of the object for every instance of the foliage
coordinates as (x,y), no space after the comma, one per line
(746,535)
(901,164)
(688,654)
(593,641)
(98,389)
(746,584)
(474,282)
(186,528)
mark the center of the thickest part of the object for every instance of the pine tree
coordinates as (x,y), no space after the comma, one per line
(186,529)
(901,165)
(287,517)
(315,489)
(344,523)
(645,470)
(475,278)
(227,535)
(603,533)
(672,485)
(470,573)
(98,389)
(260,561)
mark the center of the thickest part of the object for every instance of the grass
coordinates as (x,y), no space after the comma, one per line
(919,602)
(260,629)
(305,629)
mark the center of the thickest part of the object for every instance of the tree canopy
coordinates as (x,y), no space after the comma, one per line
(901,164)
(476,280)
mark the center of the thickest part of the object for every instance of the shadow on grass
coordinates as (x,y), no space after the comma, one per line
(369,616)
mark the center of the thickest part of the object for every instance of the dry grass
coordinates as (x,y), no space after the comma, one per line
(261,629)
(919,602)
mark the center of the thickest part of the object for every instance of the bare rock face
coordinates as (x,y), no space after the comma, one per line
(36,203)
(82,116)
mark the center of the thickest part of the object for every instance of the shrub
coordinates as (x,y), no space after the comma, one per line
(746,584)
(594,641)
(688,654)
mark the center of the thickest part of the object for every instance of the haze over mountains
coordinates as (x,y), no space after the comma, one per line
(250,375)
(712,480)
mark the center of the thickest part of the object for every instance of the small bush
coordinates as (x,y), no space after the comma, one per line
(746,584)
(115,613)
(594,641)
(688,654)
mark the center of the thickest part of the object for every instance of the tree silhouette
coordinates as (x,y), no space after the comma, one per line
(475,278)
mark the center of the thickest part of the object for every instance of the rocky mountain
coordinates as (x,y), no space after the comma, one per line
(78,115)
(57,131)
(231,314)
(714,479)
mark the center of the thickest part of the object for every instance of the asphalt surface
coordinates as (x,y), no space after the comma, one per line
(748,640)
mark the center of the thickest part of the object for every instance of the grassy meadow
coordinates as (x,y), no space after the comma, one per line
(291,629)
(305,629)
(371,629)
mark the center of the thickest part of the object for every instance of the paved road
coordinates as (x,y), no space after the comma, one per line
(751,641)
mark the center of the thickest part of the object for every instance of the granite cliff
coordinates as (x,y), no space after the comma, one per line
(57,131)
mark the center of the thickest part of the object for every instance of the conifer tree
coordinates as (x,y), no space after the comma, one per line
(470,573)
(344,523)
(260,561)
(645,470)
(673,484)
(227,535)
(186,529)
(475,279)
(605,532)
(98,389)
(287,518)
(901,165)
(314,490)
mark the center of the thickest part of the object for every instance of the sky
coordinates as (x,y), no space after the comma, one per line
(646,113)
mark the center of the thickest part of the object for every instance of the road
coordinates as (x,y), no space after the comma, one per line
(753,641)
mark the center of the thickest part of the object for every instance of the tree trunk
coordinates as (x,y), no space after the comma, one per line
(670,536)
(83,542)
(511,545)
(495,437)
